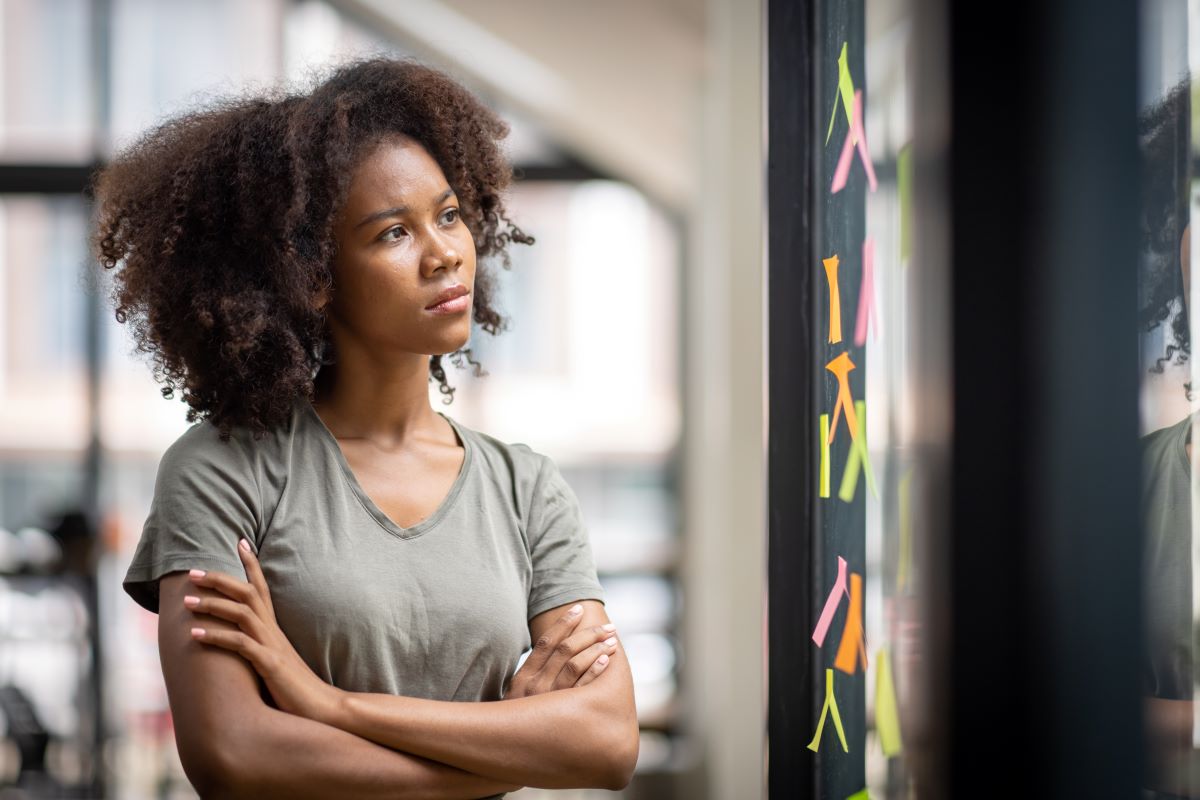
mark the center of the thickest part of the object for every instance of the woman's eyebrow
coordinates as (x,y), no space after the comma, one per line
(396,211)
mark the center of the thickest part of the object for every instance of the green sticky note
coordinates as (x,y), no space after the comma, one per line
(861,794)
(887,714)
(904,188)
(846,94)
(824,431)
(829,709)
(858,458)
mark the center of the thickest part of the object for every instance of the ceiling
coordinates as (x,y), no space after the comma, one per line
(616,84)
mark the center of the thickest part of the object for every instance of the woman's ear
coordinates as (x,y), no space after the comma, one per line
(321,299)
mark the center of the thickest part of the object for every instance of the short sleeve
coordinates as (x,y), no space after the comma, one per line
(205,499)
(564,570)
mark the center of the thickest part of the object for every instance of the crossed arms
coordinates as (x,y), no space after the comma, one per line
(233,744)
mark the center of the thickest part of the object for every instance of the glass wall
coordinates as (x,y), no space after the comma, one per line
(858,364)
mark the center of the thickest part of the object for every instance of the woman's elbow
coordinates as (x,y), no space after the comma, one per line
(622,758)
(216,769)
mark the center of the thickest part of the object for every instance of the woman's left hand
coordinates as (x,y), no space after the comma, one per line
(295,688)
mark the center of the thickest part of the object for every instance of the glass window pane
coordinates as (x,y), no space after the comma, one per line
(45,81)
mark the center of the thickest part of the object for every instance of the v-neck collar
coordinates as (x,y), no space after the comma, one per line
(387,523)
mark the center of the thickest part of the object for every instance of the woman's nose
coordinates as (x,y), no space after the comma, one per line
(441,252)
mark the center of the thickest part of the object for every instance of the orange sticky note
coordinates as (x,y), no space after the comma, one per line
(829,709)
(841,367)
(835,299)
(853,650)
(887,714)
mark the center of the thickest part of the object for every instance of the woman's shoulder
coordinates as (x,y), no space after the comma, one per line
(202,444)
(514,459)
(1159,445)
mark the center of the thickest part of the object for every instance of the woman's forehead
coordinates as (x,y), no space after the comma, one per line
(399,172)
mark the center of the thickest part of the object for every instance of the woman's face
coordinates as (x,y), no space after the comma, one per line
(401,242)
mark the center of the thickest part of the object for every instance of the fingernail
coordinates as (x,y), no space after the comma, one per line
(575,609)
(197,573)
(609,627)
(191,601)
(244,545)
(197,632)
(602,660)
(610,641)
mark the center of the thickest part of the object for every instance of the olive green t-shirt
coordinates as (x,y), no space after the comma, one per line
(439,610)
(1167,506)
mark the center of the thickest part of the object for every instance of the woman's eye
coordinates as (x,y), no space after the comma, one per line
(451,215)
(389,231)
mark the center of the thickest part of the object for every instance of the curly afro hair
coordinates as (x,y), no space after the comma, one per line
(217,225)
(1165,134)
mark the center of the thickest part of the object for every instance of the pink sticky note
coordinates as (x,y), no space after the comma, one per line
(866,296)
(840,588)
(855,139)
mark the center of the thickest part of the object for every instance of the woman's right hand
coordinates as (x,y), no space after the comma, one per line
(564,657)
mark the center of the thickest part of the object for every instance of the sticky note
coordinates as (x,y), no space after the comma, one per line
(845,93)
(835,299)
(887,715)
(904,565)
(841,367)
(853,651)
(861,794)
(831,604)
(904,188)
(824,433)
(866,296)
(856,139)
(858,458)
(829,709)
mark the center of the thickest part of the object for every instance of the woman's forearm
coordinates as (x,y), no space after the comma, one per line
(285,756)
(557,740)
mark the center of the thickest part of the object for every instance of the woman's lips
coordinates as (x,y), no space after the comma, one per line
(455,306)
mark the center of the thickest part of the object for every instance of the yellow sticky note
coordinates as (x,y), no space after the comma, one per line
(845,93)
(904,568)
(904,188)
(887,715)
(829,709)
(859,459)
(824,432)
(835,299)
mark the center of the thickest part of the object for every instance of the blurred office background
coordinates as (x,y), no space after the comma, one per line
(634,359)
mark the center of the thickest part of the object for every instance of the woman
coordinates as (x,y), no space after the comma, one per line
(297,266)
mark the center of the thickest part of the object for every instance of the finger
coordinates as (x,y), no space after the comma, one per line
(594,671)
(254,572)
(575,669)
(544,647)
(234,641)
(227,585)
(575,644)
(239,614)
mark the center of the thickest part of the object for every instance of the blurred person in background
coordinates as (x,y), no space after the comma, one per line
(345,578)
